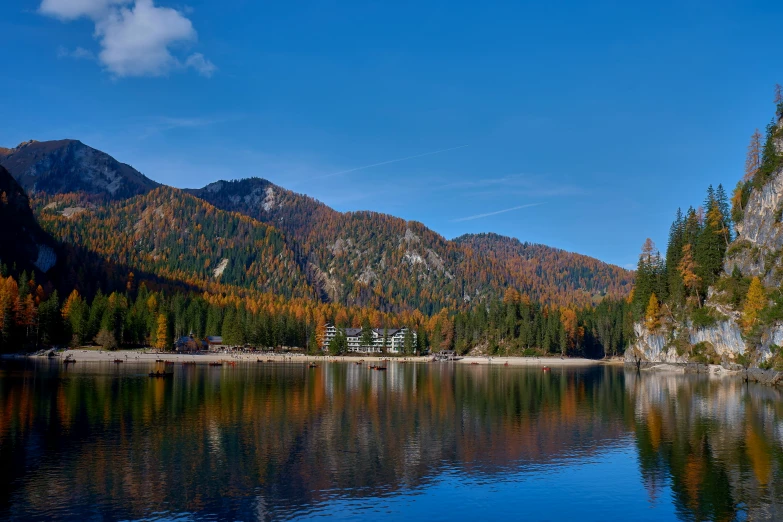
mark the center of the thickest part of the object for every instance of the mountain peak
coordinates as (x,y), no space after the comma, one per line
(62,166)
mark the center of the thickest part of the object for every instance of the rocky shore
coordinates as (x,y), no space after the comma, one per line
(768,377)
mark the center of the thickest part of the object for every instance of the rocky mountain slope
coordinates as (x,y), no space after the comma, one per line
(175,235)
(381,260)
(720,332)
(61,166)
(354,258)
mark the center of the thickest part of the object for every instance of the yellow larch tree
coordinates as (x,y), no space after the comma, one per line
(755,302)
(652,317)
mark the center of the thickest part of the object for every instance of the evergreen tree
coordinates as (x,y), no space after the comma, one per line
(674,253)
(408,343)
(366,336)
(710,247)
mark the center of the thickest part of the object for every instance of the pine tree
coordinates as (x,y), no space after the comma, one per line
(710,245)
(753,157)
(366,337)
(725,211)
(754,304)
(407,344)
(674,254)
(650,277)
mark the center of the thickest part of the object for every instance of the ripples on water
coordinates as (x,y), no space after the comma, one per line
(420,441)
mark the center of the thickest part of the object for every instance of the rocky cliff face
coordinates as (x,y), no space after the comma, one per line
(757,251)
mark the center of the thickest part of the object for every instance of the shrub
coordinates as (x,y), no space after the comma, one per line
(705,317)
(106,339)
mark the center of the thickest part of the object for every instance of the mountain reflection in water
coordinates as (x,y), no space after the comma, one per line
(433,441)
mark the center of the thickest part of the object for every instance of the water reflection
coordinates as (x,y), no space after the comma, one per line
(275,441)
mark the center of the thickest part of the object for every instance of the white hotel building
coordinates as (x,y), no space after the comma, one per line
(395,339)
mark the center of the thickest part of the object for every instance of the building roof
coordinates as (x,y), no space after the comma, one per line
(215,339)
(353,332)
(389,331)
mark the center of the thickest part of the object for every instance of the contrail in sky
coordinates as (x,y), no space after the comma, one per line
(478,216)
(389,161)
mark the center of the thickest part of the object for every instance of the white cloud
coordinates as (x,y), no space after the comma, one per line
(203,66)
(80,53)
(136,37)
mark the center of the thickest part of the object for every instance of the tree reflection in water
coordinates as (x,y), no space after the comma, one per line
(282,440)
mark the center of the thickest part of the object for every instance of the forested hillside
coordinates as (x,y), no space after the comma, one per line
(382,261)
(177,236)
(547,274)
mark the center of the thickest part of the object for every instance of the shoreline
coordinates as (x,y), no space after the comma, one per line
(150,356)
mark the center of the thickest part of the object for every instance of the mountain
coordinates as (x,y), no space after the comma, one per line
(55,167)
(22,241)
(175,235)
(384,261)
(86,198)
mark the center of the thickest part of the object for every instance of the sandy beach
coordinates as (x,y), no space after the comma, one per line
(84,355)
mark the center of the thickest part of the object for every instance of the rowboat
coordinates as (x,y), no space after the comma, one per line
(161,375)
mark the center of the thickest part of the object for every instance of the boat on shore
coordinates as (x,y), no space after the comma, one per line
(118,361)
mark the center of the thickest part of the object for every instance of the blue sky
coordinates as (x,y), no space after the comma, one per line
(581,125)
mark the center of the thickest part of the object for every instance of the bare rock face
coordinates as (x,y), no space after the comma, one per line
(725,338)
(757,249)
(653,347)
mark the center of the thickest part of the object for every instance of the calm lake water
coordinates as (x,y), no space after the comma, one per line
(427,441)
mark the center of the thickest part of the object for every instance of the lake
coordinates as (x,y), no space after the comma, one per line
(420,441)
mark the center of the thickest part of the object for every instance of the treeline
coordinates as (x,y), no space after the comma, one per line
(517,326)
(31,317)
(697,245)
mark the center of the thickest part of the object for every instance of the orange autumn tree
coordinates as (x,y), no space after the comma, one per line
(652,316)
(755,302)
(161,333)
(687,268)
